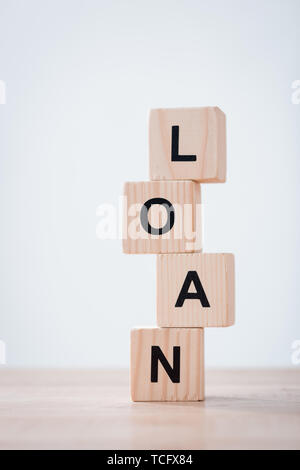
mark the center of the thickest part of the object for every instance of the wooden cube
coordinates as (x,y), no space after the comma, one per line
(162,217)
(188,144)
(167,364)
(195,290)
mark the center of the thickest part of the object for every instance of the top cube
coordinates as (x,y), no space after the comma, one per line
(188,144)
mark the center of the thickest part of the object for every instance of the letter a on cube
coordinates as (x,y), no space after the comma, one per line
(167,364)
(162,217)
(195,290)
(188,144)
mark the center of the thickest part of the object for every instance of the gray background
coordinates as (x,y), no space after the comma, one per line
(80,78)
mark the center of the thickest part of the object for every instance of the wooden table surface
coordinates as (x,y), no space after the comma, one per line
(59,409)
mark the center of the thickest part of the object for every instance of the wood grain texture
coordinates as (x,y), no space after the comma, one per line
(216,274)
(191,343)
(185,235)
(91,409)
(202,132)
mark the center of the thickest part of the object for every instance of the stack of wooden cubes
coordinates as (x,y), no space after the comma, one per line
(187,146)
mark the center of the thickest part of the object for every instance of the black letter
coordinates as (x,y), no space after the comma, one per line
(144,216)
(192,276)
(175,148)
(157,355)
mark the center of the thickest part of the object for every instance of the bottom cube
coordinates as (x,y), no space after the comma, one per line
(167,364)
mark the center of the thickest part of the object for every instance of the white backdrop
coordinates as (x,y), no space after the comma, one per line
(80,78)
